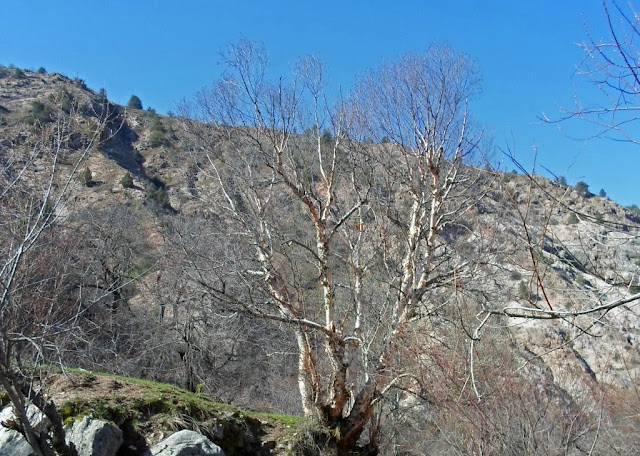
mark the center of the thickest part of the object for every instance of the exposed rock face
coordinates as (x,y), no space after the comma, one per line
(186,443)
(12,443)
(94,437)
(90,437)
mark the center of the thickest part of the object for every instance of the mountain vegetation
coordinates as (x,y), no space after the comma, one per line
(355,264)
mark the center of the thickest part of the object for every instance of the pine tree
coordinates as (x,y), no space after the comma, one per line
(127,181)
(582,188)
(134,102)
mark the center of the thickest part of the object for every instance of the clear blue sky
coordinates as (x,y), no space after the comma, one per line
(164,51)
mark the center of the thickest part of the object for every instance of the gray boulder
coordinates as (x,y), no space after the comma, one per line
(12,443)
(186,443)
(94,437)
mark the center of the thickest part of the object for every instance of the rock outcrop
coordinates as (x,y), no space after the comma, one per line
(94,437)
(91,437)
(186,443)
(12,443)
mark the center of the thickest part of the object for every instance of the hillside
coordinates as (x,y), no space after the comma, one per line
(162,270)
(148,412)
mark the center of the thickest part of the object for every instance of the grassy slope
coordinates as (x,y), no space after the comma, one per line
(147,412)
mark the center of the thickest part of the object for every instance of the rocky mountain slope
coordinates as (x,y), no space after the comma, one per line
(547,246)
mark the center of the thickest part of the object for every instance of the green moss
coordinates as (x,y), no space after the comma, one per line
(66,412)
(4,398)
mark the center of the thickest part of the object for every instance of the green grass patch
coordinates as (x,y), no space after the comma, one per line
(162,398)
(4,399)
(286,420)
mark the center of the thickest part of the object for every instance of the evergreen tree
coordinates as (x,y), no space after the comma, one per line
(134,102)
(127,181)
(582,188)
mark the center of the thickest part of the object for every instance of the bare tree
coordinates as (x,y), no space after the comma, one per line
(590,247)
(612,64)
(37,306)
(210,348)
(339,238)
(112,253)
